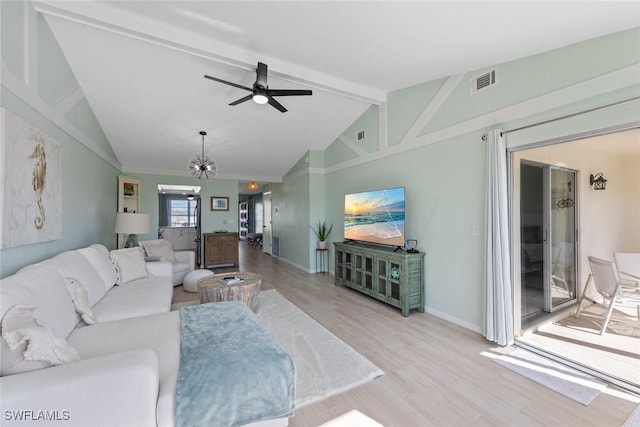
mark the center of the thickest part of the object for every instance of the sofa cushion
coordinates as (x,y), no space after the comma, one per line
(98,256)
(79,297)
(43,287)
(137,298)
(181,266)
(130,264)
(160,333)
(43,348)
(74,264)
(160,248)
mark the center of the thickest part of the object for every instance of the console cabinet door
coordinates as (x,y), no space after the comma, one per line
(221,249)
(212,250)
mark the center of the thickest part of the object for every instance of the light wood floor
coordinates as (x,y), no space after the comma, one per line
(436,373)
(616,353)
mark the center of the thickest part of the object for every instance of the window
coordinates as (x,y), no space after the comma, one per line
(182,213)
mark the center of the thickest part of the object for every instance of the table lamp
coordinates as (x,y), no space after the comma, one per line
(132,224)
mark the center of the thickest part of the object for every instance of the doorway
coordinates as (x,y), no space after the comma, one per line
(548,237)
(266,225)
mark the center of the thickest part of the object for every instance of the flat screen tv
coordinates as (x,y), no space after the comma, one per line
(375,216)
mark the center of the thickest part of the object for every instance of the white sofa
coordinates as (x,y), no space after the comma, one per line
(128,360)
(182,262)
(117,379)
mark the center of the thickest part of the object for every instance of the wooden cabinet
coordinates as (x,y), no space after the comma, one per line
(393,277)
(220,249)
(128,199)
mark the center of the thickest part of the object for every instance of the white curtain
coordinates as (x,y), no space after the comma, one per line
(498,304)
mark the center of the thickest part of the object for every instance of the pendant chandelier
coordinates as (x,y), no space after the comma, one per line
(203,166)
(253,186)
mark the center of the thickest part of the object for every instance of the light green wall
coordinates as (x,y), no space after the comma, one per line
(211,221)
(537,75)
(444,199)
(82,117)
(12,24)
(445,180)
(337,152)
(89,195)
(317,209)
(89,184)
(316,158)
(369,123)
(291,205)
(52,86)
(405,105)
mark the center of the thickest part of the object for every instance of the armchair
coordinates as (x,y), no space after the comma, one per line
(181,262)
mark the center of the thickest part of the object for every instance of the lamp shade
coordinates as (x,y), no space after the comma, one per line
(132,223)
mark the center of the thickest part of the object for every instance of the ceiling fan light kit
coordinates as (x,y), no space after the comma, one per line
(203,166)
(261,94)
(260,99)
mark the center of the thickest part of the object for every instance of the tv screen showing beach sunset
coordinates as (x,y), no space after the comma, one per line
(375,216)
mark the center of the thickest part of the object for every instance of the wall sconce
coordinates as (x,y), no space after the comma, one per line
(598,181)
(253,186)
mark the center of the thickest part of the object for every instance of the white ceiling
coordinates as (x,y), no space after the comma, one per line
(141,64)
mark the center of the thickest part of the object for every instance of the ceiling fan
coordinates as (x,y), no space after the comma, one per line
(260,93)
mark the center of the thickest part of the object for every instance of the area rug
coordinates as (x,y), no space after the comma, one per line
(634,419)
(325,365)
(567,381)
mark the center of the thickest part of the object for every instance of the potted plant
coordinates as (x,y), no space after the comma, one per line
(322,233)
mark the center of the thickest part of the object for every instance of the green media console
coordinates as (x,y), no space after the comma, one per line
(392,277)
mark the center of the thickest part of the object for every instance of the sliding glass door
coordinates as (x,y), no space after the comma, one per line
(548,238)
(562,231)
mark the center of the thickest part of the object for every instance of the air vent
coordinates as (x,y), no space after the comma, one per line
(483,81)
(275,250)
(360,135)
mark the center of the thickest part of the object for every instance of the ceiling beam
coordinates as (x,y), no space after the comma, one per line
(106,18)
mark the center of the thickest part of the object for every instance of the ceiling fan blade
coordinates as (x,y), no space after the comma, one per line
(228,83)
(261,75)
(277,105)
(241,100)
(289,92)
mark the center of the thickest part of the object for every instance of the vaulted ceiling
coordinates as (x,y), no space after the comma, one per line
(140,65)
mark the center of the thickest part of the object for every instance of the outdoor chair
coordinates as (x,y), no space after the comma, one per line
(606,280)
(629,268)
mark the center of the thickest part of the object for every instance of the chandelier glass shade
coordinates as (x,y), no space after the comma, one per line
(203,166)
(253,186)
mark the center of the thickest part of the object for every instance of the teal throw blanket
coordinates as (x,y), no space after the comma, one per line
(232,371)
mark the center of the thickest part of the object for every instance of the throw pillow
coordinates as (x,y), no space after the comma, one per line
(130,264)
(161,249)
(39,347)
(98,256)
(80,300)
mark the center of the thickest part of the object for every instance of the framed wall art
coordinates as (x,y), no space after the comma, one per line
(219,203)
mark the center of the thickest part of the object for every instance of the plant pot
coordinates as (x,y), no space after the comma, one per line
(322,244)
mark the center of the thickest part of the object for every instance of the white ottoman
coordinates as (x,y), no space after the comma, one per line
(189,283)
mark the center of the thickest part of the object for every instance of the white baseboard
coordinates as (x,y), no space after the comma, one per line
(293,264)
(454,320)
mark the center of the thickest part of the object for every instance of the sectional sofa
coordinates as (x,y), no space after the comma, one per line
(115,363)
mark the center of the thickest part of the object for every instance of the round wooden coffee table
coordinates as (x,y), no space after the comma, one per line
(215,289)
